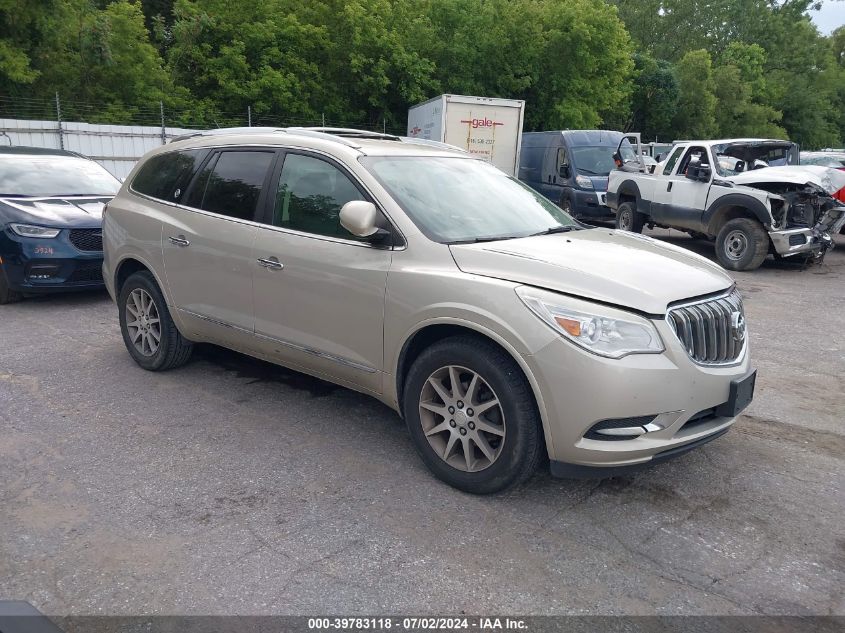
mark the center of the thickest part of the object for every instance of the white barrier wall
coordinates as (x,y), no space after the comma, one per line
(115,147)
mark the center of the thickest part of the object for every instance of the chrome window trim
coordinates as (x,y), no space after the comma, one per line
(308,350)
(317,236)
(355,180)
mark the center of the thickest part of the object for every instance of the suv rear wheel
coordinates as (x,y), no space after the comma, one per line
(628,219)
(147,327)
(742,244)
(472,416)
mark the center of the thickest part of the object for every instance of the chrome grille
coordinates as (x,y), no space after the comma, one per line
(711,330)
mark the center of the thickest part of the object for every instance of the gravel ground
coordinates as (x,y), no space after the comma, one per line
(235,487)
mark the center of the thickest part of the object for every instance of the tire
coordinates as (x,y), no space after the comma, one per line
(509,426)
(742,244)
(7,295)
(140,296)
(566,206)
(629,219)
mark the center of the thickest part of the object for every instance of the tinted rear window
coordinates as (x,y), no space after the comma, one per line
(231,183)
(166,176)
(54,176)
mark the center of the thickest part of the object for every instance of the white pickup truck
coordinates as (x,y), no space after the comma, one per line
(747,194)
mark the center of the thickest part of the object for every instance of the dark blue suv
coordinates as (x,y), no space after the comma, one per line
(51,211)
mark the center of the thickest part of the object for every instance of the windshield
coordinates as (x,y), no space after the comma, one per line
(593,161)
(735,158)
(464,200)
(34,176)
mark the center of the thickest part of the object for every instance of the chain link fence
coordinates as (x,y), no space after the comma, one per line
(159,114)
(118,138)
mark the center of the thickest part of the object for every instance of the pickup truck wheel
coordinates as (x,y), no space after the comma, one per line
(742,244)
(472,416)
(628,219)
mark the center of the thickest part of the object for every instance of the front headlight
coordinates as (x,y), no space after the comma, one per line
(604,331)
(30,230)
(584,182)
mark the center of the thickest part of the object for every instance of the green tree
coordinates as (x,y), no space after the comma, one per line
(741,89)
(24,26)
(655,98)
(696,114)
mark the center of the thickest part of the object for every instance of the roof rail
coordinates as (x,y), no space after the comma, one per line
(428,142)
(345,136)
(227,130)
(349,133)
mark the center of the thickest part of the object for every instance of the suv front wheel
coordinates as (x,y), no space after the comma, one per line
(147,327)
(472,416)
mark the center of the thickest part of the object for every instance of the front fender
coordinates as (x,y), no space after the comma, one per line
(756,207)
(392,397)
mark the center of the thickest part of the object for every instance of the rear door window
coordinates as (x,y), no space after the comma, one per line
(166,176)
(231,183)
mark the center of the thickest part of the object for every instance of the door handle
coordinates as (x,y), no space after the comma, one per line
(271,263)
(669,187)
(179,241)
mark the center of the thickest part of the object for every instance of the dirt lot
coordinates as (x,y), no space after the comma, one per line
(232,486)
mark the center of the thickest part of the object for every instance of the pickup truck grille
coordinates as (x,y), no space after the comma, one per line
(712,330)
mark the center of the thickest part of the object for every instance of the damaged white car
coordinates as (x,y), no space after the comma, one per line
(750,195)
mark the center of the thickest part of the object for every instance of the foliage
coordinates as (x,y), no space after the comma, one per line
(696,112)
(666,68)
(655,98)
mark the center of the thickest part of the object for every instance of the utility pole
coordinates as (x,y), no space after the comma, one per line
(324,118)
(249,116)
(59,120)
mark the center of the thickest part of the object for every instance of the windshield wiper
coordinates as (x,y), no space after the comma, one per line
(558,229)
(492,238)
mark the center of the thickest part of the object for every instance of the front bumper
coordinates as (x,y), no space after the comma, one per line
(794,241)
(35,265)
(590,204)
(580,389)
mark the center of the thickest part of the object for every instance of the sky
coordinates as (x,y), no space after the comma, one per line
(831,16)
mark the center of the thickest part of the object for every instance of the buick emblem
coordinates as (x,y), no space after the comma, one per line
(738,326)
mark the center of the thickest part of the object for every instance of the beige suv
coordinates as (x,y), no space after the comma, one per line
(500,328)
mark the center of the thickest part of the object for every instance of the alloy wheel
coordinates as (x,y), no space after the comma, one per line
(143,322)
(462,418)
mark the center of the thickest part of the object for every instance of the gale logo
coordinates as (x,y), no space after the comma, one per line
(485,122)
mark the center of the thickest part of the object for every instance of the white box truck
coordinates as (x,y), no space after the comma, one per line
(487,127)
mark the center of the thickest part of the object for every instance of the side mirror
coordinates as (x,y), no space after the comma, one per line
(359,218)
(564,171)
(697,171)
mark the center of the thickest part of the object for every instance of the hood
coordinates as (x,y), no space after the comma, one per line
(615,267)
(828,178)
(75,212)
